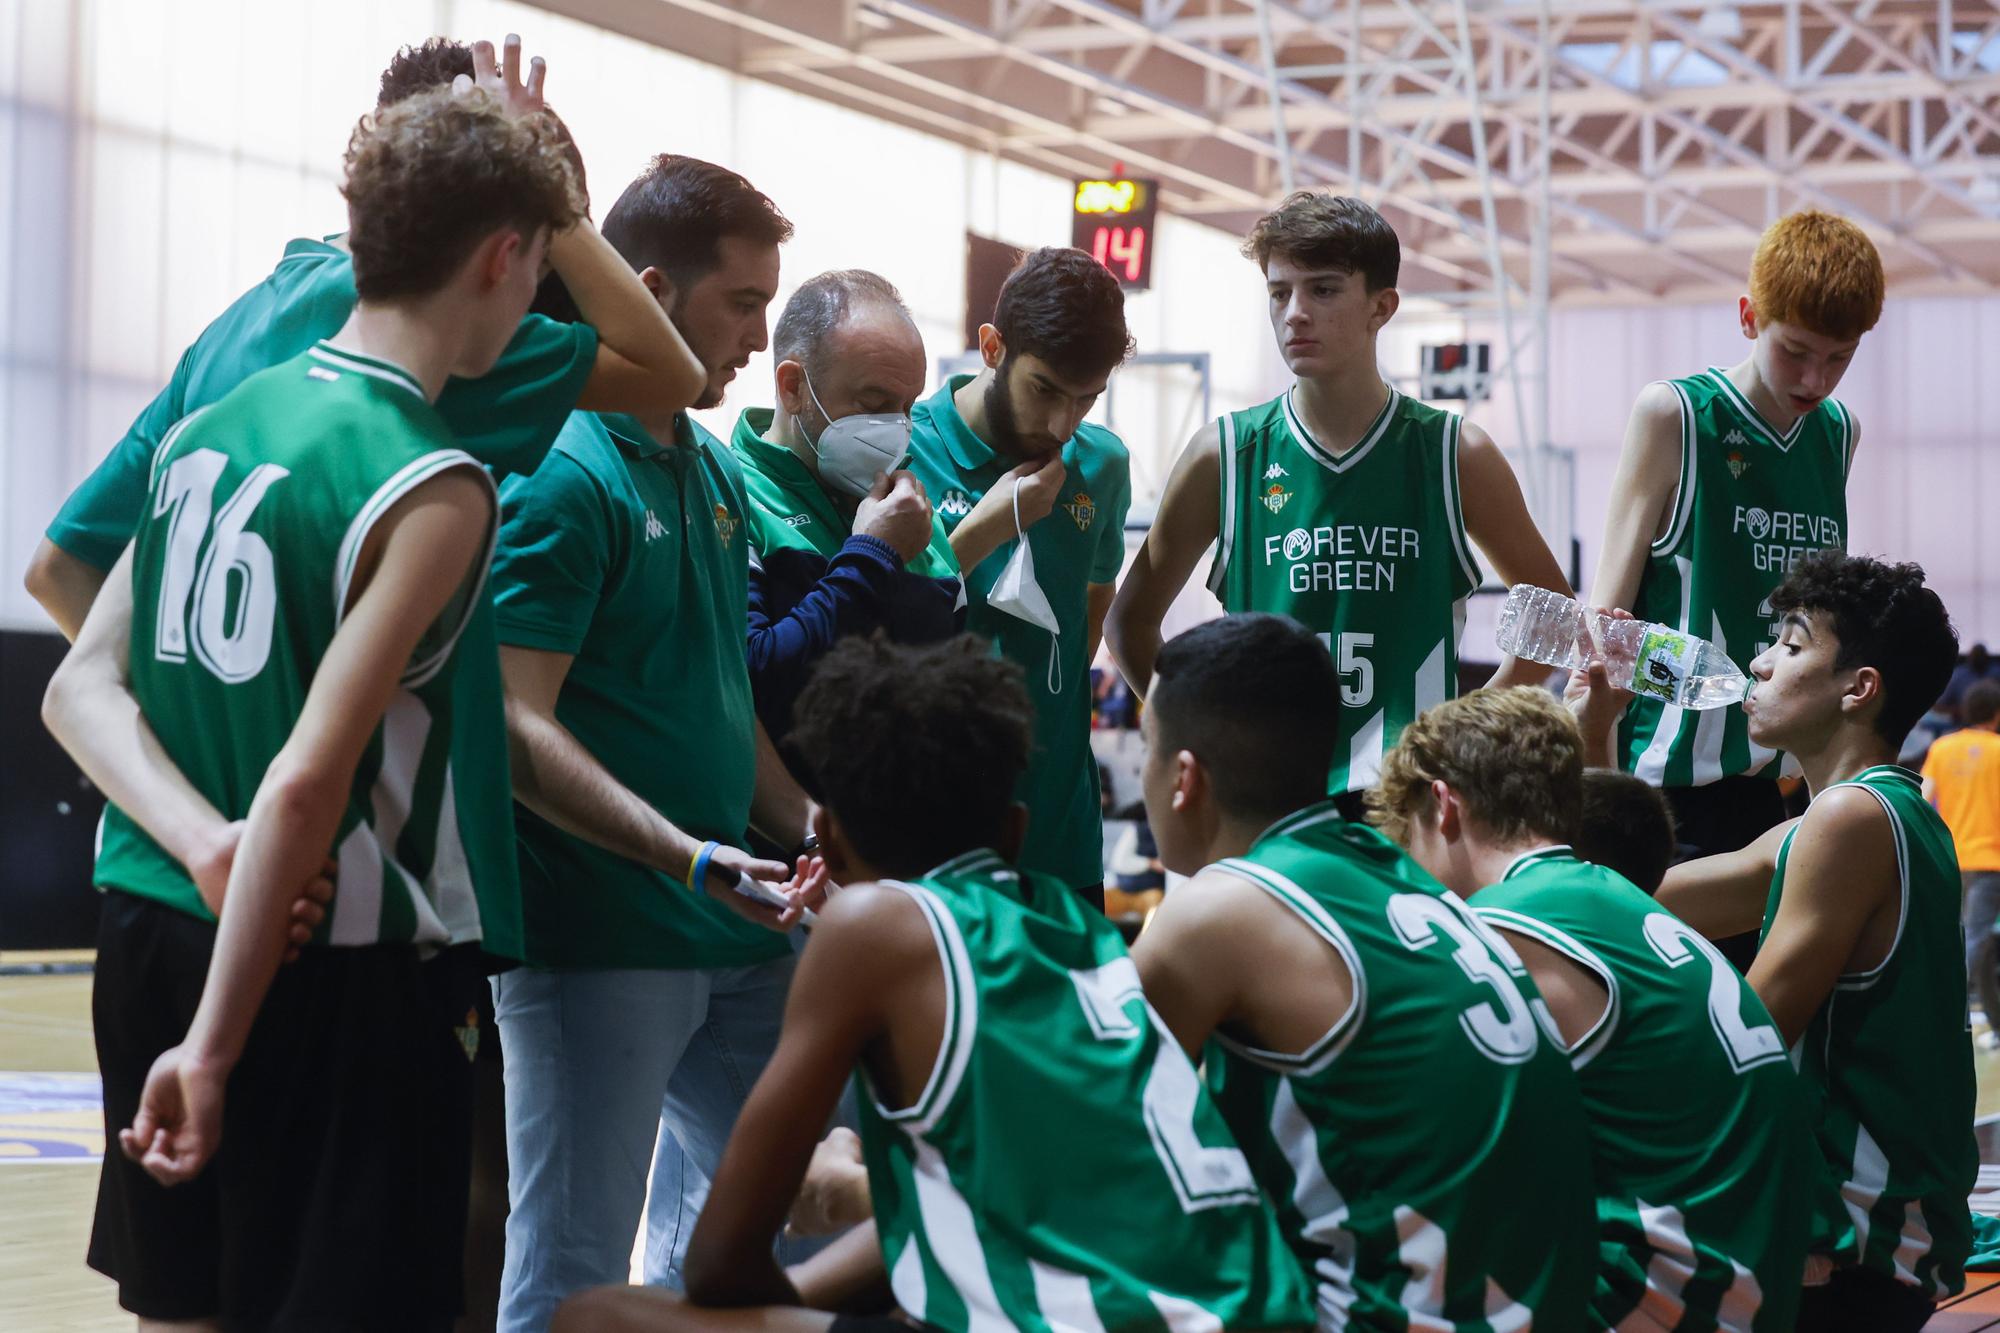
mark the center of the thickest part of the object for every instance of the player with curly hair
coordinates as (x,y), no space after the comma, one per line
(1861,964)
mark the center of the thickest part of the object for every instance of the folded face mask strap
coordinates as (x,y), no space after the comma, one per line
(1018,531)
(1055,667)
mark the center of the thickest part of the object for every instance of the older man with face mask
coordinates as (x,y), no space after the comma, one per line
(842,541)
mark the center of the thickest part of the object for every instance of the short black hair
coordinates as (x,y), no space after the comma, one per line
(1256,699)
(916,750)
(1885,618)
(1624,824)
(1328,231)
(431,63)
(820,304)
(1064,307)
(675,215)
(1981,702)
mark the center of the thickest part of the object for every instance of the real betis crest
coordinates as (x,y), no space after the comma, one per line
(726,524)
(1083,509)
(1737,463)
(1275,498)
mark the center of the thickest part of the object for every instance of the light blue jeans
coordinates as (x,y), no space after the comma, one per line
(599,1065)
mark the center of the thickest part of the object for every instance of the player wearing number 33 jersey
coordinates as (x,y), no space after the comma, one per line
(1381,1054)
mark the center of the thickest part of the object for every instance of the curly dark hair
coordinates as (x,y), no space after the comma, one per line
(1064,307)
(431,177)
(915,750)
(431,63)
(1328,231)
(1256,699)
(1883,617)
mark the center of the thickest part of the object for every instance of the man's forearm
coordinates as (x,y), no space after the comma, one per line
(64,586)
(979,536)
(613,301)
(1517,671)
(780,808)
(558,779)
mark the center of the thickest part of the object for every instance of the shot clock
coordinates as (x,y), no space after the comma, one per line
(1112,221)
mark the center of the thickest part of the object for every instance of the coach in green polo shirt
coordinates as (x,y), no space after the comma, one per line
(1009,446)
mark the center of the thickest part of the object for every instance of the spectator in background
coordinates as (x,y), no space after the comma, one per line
(1977,666)
(1962,779)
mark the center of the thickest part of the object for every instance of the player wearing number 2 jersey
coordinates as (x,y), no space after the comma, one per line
(1861,965)
(1342,504)
(1704,1195)
(278,647)
(1040,1152)
(1380,1053)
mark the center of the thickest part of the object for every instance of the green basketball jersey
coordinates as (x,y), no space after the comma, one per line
(1063,1168)
(1423,1153)
(257,511)
(1367,548)
(1887,1063)
(1703,1196)
(1752,501)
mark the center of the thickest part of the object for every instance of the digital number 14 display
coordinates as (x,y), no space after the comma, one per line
(1112,221)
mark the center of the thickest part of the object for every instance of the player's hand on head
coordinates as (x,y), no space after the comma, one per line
(502,79)
(179,1123)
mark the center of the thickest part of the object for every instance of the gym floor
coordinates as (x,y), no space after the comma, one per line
(46,1196)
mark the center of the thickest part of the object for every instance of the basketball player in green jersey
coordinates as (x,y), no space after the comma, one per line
(216,678)
(1380,1053)
(1704,1197)
(1341,503)
(1727,479)
(1040,1153)
(1861,964)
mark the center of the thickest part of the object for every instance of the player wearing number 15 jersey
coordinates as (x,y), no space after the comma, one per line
(1704,1190)
(1380,1053)
(1342,503)
(1040,1152)
(278,647)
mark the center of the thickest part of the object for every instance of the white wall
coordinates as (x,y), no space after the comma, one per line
(154,169)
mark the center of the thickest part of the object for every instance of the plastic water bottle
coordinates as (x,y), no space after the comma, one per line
(1655,661)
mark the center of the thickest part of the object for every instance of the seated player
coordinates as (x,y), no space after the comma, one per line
(216,677)
(1861,963)
(1378,1052)
(1039,1151)
(1704,1190)
(1625,825)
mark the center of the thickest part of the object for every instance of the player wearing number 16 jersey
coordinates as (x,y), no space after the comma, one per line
(1040,1152)
(1342,503)
(1704,1189)
(278,646)
(1379,1052)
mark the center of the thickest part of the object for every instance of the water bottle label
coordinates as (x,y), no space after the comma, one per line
(1663,663)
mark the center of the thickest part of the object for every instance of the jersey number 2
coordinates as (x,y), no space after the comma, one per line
(1748,1045)
(1203,1176)
(233,647)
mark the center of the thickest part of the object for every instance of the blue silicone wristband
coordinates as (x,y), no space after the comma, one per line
(698,877)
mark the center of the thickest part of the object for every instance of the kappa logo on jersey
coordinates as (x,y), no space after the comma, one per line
(1275,471)
(1275,498)
(725,524)
(654,528)
(1736,463)
(798,520)
(955,503)
(1734,437)
(1083,509)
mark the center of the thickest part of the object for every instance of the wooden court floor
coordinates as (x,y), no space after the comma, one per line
(45,1206)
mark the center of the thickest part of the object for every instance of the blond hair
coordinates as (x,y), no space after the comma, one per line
(1513,755)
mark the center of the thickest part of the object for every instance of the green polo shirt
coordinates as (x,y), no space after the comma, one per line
(632,557)
(505,419)
(788,508)
(1081,542)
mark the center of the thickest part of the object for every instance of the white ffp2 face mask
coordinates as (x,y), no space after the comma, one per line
(855,450)
(1018,594)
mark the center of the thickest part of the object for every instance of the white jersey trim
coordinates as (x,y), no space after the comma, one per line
(1362,448)
(1784,440)
(961,1016)
(1866,979)
(1454,498)
(1587,1047)
(1225,541)
(1683,508)
(1329,1045)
